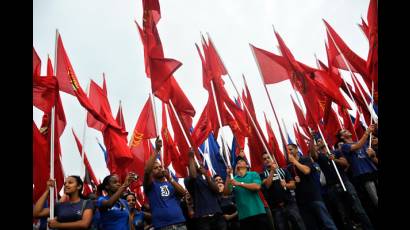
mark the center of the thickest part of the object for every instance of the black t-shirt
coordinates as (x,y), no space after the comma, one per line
(276,194)
(227,204)
(205,200)
(328,169)
(306,190)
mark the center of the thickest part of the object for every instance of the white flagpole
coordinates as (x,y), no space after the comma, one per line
(156,123)
(373,115)
(52,122)
(371,120)
(220,125)
(333,162)
(84,137)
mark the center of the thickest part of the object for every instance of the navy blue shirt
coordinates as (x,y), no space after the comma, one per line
(328,169)
(359,161)
(205,200)
(276,194)
(164,204)
(307,189)
(70,212)
(116,217)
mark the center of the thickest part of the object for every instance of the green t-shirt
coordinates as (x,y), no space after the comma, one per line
(248,202)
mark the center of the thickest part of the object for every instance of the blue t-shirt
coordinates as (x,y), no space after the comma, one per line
(165,206)
(359,161)
(138,221)
(116,217)
(70,212)
(205,200)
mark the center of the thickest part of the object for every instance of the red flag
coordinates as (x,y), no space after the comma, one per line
(372,57)
(151,9)
(357,64)
(45,92)
(41,168)
(271,66)
(36,64)
(331,124)
(141,150)
(100,102)
(203,127)
(300,141)
(364,28)
(171,154)
(323,81)
(358,126)
(273,143)
(216,65)
(86,162)
(68,82)
(145,127)
(161,70)
(299,114)
(121,122)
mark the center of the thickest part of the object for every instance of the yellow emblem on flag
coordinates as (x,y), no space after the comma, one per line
(73,81)
(136,138)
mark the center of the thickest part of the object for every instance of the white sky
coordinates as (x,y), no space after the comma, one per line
(100,36)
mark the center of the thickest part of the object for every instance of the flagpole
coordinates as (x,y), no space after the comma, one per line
(220,124)
(371,120)
(333,161)
(84,136)
(373,116)
(156,123)
(52,122)
(271,104)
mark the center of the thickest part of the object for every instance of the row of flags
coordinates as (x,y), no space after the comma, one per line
(319,89)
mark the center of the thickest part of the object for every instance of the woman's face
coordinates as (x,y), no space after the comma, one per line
(71,186)
(131,201)
(113,184)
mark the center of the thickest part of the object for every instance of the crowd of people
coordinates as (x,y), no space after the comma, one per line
(331,187)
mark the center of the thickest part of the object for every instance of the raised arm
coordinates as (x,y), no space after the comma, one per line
(178,188)
(228,182)
(105,204)
(150,163)
(212,185)
(362,140)
(39,210)
(303,168)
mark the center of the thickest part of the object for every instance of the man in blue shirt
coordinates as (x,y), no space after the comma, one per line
(362,168)
(204,191)
(162,191)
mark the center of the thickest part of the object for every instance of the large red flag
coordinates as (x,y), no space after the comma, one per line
(86,162)
(357,64)
(68,83)
(271,66)
(161,70)
(203,127)
(324,83)
(331,124)
(100,102)
(41,168)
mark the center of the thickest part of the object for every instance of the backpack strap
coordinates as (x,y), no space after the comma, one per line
(83,206)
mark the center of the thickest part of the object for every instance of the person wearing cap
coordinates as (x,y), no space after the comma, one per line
(245,186)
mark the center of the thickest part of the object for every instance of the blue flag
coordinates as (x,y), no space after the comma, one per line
(216,159)
(291,142)
(104,152)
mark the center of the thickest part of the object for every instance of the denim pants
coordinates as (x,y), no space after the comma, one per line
(174,227)
(316,216)
(288,213)
(355,203)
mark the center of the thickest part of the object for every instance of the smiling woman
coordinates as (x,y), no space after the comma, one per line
(72,213)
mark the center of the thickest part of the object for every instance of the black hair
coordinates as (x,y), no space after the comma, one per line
(240,159)
(129,193)
(81,183)
(339,136)
(293,145)
(101,187)
(216,175)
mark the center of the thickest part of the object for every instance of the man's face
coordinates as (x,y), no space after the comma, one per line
(157,171)
(292,150)
(241,164)
(266,160)
(345,134)
(320,143)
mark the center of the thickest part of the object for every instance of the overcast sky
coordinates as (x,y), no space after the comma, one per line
(101,36)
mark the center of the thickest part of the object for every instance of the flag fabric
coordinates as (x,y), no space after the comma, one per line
(151,9)
(121,122)
(274,146)
(171,153)
(100,102)
(88,170)
(203,127)
(68,82)
(161,70)
(45,92)
(300,141)
(372,57)
(347,122)
(36,64)
(271,66)
(41,167)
